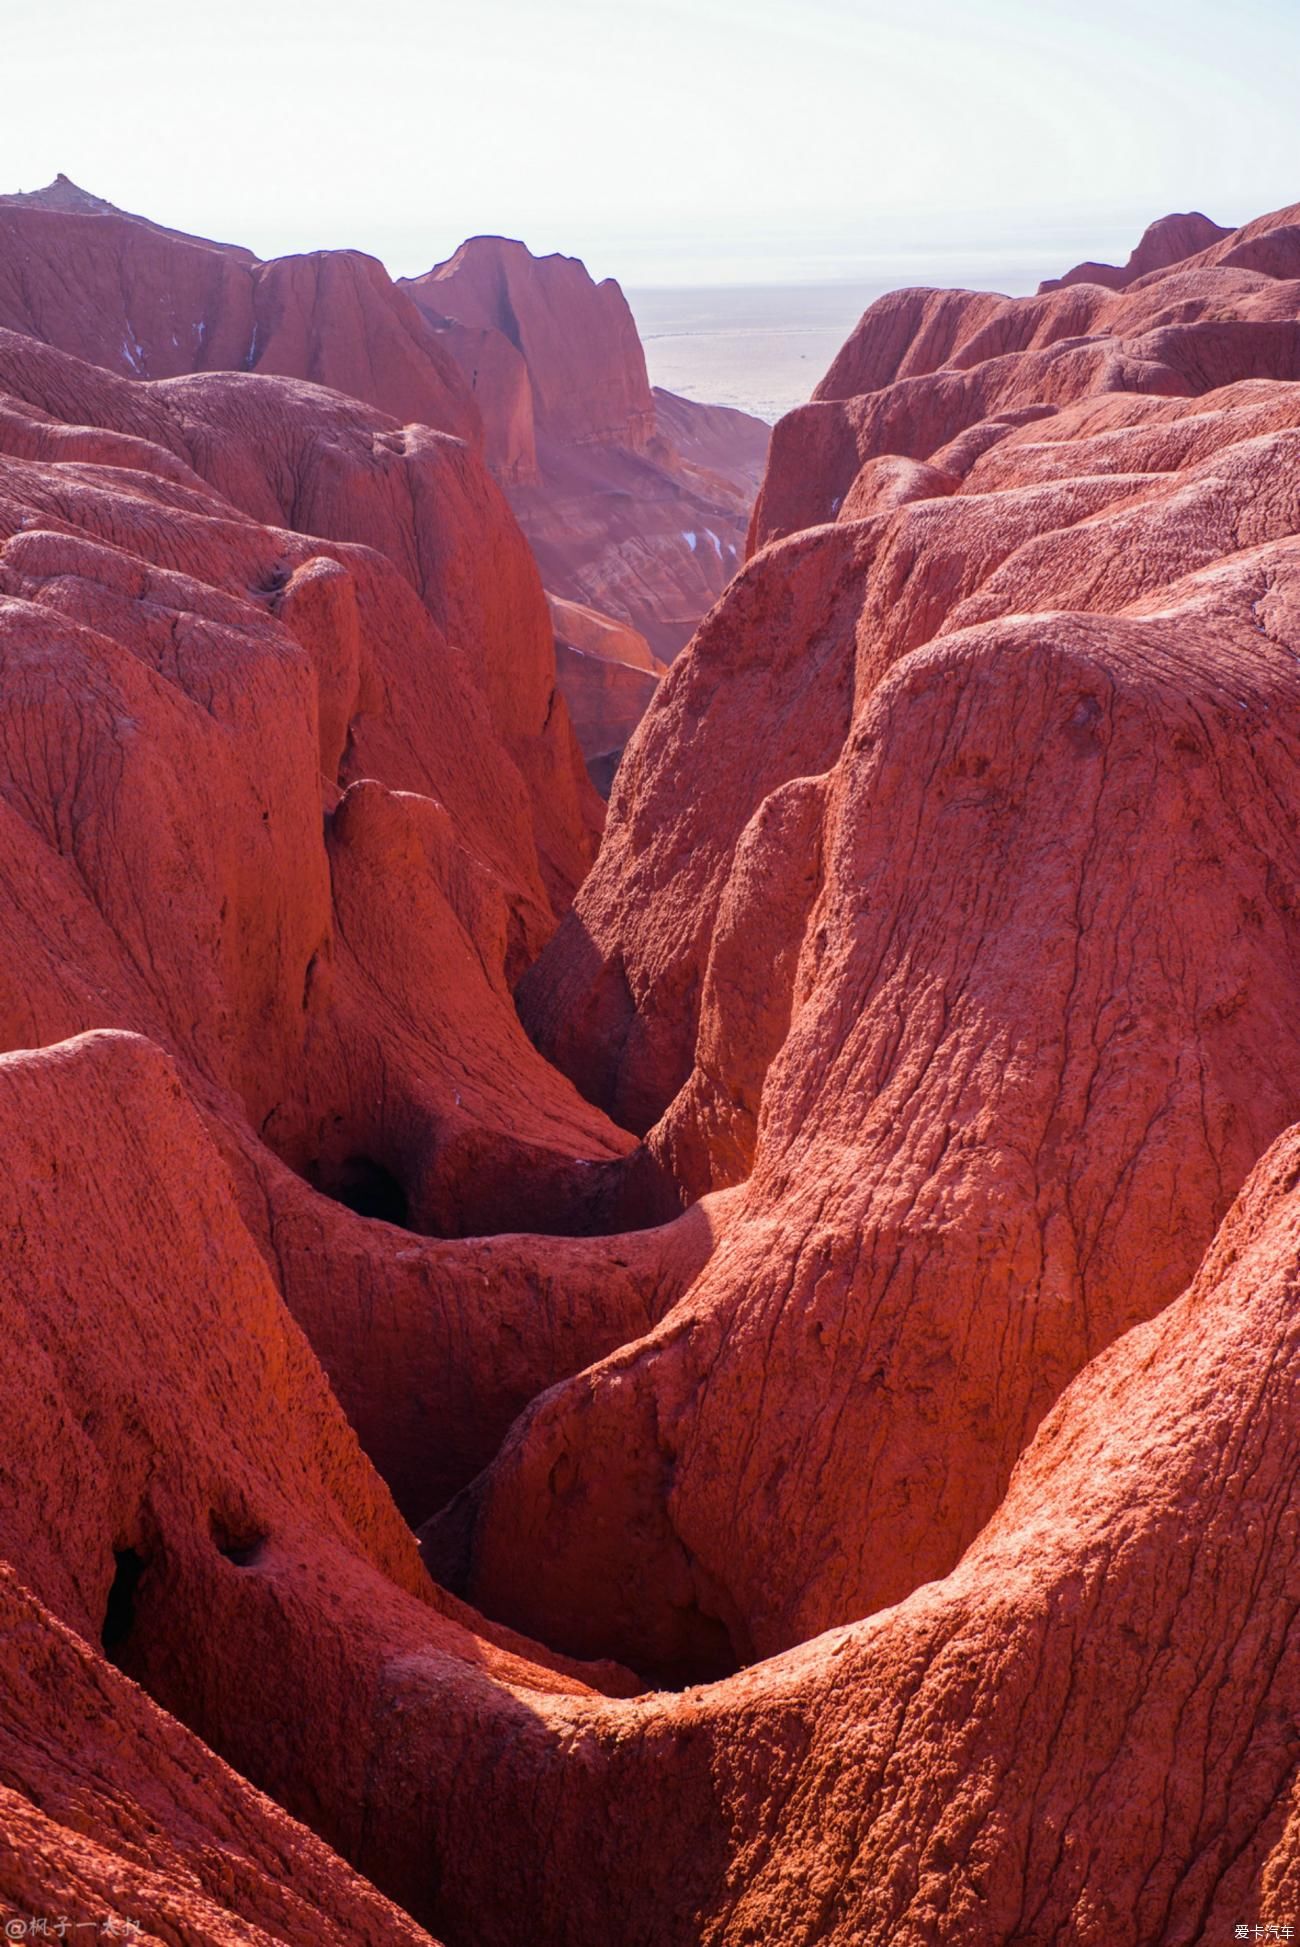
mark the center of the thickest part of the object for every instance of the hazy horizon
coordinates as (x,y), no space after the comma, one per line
(822,150)
(1014,261)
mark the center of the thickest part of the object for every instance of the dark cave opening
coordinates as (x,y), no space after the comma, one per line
(366,1187)
(119,1611)
(487,1186)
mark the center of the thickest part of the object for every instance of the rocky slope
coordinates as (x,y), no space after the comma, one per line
(998,1065)
(151,303)
(867,1305)
(577,340)
(1163,243)
(936,376)
(608,673)
(635,502)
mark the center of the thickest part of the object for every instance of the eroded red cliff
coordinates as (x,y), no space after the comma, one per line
(149,302)
(988,1063)
(867,1301)
(937,375)
(586,368)
(635,502)
(1167,241)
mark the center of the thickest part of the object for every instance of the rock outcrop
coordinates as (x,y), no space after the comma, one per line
(151,303)
(337,993)
(125,1490)
(635,502)
(205,1519)
(607,673)
(577,338)
(838,950)
(287,455)
(867,1302)
(718,441)
(634,536)
(1165,242)
(938,375)
(987,1761)
(117,1822)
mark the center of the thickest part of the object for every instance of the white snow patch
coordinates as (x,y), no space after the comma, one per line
(691,539)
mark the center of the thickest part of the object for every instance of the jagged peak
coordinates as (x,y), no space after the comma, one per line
(63,197)
(62,194)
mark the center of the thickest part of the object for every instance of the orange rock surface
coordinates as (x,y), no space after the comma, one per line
(577,339)
(865,1306)
(934,911)
(925,370)
(635,503)
(1165,242)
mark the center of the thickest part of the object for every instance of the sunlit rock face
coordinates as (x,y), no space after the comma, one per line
(152,303)
(936,921)
(845,1349)
(635,501)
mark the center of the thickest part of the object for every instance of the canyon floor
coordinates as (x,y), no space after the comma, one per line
(720,1369)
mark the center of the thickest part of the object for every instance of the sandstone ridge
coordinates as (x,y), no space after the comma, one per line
(635,503)
(840,1362)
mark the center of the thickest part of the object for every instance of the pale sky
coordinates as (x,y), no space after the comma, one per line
(669,141)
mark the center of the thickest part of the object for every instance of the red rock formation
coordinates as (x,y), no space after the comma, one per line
(286,454)
(718,440)
(634,502)
(495,346)
(498,378)
(336,317)
(925,368)
(341,995)
(1168,241)
(758,974)
(910,1187)
(635,536)
(607,674)
(201,1493)
(152,303)
(944,945)
(601,636)
(117,1822)
(888,482)
(114,1468)
(1125,1619)
(65,196)
(586,368)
